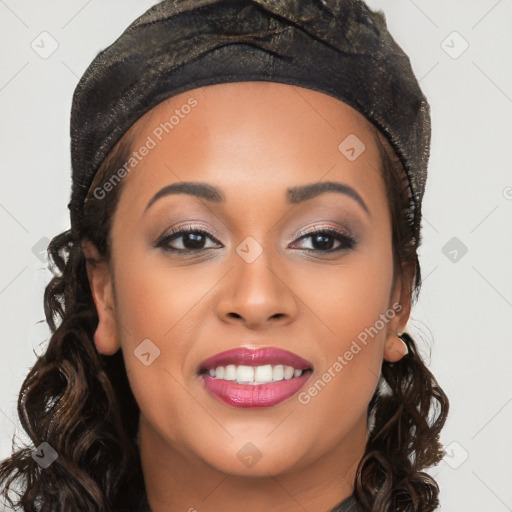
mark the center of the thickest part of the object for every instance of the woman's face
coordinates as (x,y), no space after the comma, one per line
(257,276)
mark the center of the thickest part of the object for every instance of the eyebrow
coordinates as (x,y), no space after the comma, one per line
(294,195)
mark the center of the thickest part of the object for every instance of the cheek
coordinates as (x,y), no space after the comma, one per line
(155,298)
(155,311)
(352,312)
(349,296)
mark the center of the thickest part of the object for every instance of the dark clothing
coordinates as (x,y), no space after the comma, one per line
(347,505)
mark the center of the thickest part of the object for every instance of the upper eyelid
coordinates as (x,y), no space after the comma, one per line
(190,228)
(321,228)
(349,236)
(303,233)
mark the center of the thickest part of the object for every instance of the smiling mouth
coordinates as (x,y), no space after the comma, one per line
(248,377)
(245,386)
(254,375)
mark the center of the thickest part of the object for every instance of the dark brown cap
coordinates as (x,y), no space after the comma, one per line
(338,47)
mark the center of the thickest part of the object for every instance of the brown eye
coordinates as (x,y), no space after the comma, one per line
(186,239)
(322,240)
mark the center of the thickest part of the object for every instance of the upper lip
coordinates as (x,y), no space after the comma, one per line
(255,357)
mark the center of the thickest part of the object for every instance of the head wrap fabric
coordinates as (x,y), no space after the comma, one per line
(338,47)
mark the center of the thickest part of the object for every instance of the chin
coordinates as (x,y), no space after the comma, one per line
(253,455)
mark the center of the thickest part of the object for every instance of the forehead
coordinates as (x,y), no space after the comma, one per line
(257,134)
(270,102)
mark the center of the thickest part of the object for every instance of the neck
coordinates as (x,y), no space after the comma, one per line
(178,481)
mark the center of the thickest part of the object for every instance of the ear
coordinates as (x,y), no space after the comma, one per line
(100,281)
(394,347)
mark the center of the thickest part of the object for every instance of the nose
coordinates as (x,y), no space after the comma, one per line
(257,295)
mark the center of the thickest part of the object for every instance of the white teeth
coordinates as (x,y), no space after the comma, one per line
(263,373)
(288,372)
(230,372)
(278,372)
(254,375)
(244,373)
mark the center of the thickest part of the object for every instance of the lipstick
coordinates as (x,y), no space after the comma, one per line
(244,377)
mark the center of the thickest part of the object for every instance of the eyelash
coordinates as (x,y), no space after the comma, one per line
(348,241)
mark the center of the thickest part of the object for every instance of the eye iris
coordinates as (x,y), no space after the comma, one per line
(196,239)
(323,245)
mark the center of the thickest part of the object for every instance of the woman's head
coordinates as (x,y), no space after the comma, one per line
(253,142)
(257,278)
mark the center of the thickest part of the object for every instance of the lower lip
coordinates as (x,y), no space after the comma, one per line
(248,395)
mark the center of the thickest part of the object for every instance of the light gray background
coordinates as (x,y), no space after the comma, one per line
(465,306)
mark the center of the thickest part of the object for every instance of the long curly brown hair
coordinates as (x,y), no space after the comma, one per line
(79,401)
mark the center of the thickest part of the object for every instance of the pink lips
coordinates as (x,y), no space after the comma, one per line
(260,395)
(255,357)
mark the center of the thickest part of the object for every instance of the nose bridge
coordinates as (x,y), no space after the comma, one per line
(256,292)
(255,281)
